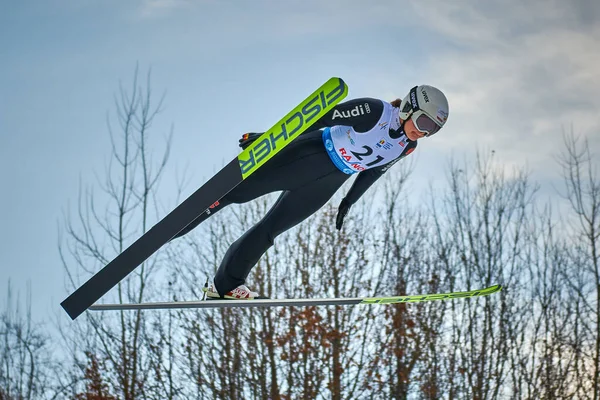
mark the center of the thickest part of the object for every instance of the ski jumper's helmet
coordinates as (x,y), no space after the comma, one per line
(428,108)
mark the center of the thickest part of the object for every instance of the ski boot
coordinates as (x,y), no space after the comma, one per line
(239,293)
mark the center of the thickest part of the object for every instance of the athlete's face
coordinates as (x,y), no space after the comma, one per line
(411,130)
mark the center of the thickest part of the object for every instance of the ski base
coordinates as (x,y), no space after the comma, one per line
(297,302)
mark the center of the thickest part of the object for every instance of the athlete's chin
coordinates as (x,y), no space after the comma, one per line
(413,136)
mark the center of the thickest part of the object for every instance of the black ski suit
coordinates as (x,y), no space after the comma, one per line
(307,178)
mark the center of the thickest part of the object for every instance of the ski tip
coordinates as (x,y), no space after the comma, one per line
(493,289)
(340,83)
(485,292)
(340,80)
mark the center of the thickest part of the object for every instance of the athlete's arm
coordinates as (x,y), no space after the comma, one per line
(363,181)
(362,114)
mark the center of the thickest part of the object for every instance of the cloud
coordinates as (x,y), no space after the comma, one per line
(162,8)
(516,74)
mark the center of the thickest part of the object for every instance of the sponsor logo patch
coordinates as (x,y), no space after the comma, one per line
(212,206)
(383,144)
(442,115)
(354,112)
(329,145)
(349,134)
(345,155)
(413,100)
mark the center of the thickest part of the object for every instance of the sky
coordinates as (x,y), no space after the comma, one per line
(517,75)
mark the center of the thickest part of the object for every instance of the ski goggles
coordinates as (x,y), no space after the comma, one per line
(423,122)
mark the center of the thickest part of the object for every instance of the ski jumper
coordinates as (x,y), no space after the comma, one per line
(358,136)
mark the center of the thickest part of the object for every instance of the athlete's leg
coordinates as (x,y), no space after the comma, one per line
(291,208)
(302,161)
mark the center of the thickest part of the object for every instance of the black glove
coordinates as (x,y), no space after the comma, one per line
(248,138)
(342,211)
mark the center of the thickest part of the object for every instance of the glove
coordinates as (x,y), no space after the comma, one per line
(342,211)
(248,138)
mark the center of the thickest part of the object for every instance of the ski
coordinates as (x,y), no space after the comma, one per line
(208,195)
(297,302)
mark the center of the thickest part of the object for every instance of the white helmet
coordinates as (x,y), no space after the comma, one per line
(428,108)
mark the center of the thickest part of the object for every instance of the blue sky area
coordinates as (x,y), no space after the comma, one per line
(517,74)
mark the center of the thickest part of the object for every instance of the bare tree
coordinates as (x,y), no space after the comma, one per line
(95,388)
(25,355)
(480,235)
(580,172)
(97,236)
